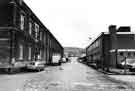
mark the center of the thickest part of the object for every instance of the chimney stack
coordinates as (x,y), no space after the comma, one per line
(112,29)
(113,44)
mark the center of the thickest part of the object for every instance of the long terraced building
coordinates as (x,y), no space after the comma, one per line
(23,37)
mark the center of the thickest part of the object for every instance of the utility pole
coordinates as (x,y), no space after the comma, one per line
(125,63)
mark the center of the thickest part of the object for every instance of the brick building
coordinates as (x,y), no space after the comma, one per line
(109,49)
(23,37)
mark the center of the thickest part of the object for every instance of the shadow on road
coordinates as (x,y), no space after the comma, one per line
(23,71)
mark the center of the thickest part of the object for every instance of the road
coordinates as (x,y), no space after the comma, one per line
(71,76)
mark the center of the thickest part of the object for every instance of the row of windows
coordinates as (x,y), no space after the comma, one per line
(21,52)
(94,45)
(129,54)
(36,27)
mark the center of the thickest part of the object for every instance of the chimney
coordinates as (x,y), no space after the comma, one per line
(112,29)
(113,36)
(113,45)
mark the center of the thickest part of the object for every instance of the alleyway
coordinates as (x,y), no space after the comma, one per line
(72,76)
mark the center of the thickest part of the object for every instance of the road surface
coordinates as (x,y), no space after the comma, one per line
(71,76)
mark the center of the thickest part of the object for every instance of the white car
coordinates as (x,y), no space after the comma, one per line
(63,60)
(36,65)
(130,64)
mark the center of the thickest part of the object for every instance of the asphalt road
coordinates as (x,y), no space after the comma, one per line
(71,76)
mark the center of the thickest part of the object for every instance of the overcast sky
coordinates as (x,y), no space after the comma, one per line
(73,21)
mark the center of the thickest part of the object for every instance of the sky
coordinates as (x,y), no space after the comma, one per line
(76,23)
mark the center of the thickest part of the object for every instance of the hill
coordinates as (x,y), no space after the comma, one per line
(73,51)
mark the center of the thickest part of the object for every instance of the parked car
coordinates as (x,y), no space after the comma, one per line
(82,59)
(36,65)
(63,60)
(130,64)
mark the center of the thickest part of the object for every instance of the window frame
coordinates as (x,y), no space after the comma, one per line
(21,51)
(36,28)
(22,21)
(30,53)
(30,27)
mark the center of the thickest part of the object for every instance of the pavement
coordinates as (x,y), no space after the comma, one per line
(116,71)
(71,76)
(125,79)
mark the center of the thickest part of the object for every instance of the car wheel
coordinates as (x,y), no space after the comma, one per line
(11,71)
(130,70)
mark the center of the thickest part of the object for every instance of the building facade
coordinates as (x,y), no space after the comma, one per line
(23,37)
(110,49)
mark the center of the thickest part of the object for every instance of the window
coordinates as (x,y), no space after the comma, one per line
(29,53)
(129,54)
(20,2)
(134,53)
(121,53)
(40,55)
(22,22)
(21,52)
(41,35)
(36,30)
(30,28)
